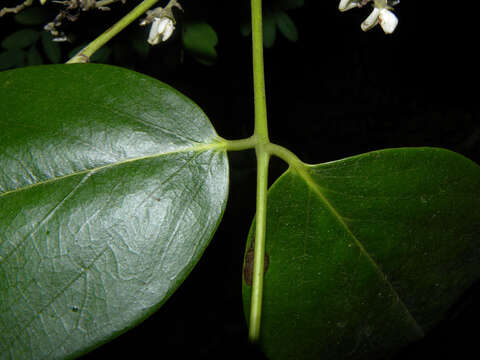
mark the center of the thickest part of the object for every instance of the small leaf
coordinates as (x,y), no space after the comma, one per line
(367,253)
(111,187)
(199,39)
(12,58)
(20,39)
(269,29)
(34,57)
(34,16)
(51,48)
(286,26)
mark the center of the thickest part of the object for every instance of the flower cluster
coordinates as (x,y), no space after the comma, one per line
(381,13)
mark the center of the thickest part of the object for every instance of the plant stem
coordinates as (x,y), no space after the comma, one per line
(286,155)
(259,250)
(261,129)
(101,3)
(242,144)
(84,55)
(16,9)
(262,140)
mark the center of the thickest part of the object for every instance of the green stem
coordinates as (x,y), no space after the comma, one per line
(105,2)
(259,250)
(239,145)
(261,129)
(286,155)
(263,157)
(84,55)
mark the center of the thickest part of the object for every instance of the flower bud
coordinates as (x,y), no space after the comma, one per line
(161,30)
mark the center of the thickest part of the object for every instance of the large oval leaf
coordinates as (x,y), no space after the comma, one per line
(111,186)
(366,254)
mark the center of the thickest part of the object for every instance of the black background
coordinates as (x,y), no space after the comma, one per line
(336,92)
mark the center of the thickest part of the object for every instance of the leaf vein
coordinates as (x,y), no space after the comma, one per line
(197,148)
(46,218)
(57,295)
(317,189)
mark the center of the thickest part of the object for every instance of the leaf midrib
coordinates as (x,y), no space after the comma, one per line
(199,148)
(219,145)
(303,173)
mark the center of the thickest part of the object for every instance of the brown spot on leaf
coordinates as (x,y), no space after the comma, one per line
(249,260)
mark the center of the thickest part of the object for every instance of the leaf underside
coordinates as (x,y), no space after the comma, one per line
(366,254)
(111,186)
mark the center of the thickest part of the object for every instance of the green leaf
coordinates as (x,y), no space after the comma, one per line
(286,26)
(111,186)
(34,16)
(51,48)
(366,254)
(34,57)
(269,29)
(12,58)
(199,39)
(20,39)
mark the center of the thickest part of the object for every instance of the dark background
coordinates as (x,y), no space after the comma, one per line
(334,93)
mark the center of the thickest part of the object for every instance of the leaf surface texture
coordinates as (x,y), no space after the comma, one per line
(111,186)
(367,253)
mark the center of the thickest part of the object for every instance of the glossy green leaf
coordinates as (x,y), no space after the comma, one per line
(199,39)
(20,39)
(366,254)
(111,186)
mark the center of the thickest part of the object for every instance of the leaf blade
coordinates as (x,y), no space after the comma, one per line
(286,26)
(327,278)
(20,39)
(111,213)
(200,40)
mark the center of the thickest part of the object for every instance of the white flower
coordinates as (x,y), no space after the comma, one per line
(161,30)
(387,20)
(163,22)
(380,14)
(348,4)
